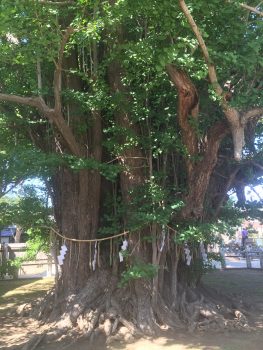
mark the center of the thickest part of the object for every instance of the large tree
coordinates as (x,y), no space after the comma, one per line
(148,106)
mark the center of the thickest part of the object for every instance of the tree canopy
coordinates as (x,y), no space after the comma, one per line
(146,113)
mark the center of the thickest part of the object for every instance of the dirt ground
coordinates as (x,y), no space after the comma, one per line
(247,285)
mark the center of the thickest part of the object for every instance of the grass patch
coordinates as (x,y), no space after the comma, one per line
(14,293)
(245,282)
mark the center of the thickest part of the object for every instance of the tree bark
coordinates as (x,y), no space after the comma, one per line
(19,232)
(199,165)
(134,163)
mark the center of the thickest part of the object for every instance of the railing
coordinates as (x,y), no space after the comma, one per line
(42,266)
(251,256)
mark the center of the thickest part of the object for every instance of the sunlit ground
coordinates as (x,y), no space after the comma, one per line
(15,331)
(12,293)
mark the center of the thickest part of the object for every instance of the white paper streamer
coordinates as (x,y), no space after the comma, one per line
(123,248)
(163,239)
(187,256)
(61,257)
(60,260)
(203,252)
(121,257)
(94,258)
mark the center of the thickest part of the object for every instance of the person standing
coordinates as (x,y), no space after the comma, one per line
(244,233)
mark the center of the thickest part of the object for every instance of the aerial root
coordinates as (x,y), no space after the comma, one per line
(34,341)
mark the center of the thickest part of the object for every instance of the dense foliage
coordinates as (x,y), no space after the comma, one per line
(141,109)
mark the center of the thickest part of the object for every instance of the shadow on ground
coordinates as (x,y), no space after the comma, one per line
(243,284)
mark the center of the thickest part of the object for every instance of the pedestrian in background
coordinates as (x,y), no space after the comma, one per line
(244,233)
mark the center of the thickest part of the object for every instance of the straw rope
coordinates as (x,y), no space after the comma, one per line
(94,239)
(86,240)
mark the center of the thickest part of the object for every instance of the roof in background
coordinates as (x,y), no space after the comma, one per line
(8,231)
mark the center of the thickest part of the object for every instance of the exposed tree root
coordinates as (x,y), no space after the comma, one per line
(112,314)
(34,341)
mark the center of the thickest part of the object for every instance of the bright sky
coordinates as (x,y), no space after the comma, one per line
(252,193)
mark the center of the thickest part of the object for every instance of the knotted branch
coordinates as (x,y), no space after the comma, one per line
(237,122)
(188,106)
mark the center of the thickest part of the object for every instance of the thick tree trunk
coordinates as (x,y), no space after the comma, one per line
(76,210)
(134,175)
(241,196)
(202,172)
(91,300)
(77,194)
(19,232)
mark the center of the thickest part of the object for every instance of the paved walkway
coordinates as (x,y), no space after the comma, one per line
(240,263)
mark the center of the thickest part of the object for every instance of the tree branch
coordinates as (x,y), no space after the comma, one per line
(58,70)
(211,68)
(58,3)
(257,165)
(5,191)
(188,106)
(253,189)
(228,185)
(252,9)
(67,134)
(53,115)
(49,113)
(39,76)
(253,113)
(236,122)
(36,102)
